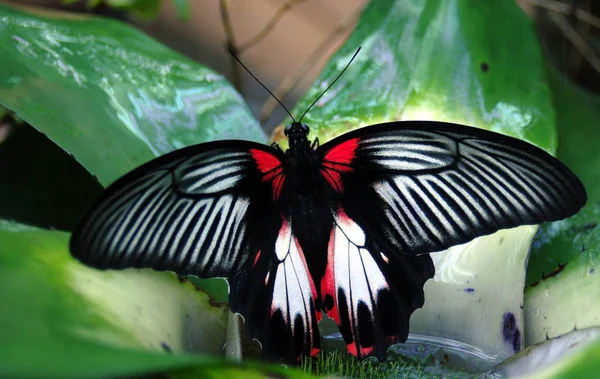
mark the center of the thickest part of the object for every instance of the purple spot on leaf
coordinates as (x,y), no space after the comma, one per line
(166,347)
(510,332)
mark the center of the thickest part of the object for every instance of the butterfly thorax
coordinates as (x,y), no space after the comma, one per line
(301,163)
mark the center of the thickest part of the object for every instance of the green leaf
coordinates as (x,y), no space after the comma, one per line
(61,319)
(562,276)
(112,103)
(583,364)
(466,61)
(108,94)
(565,356)
(578,116)
(459,61)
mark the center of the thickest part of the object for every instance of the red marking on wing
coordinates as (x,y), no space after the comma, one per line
(337,161)
(352,349)
(343,153)
(343,218)
(364,351)
(265,161)
(314,352)
(271,168)
(328,282)
(313,290)
(256,258)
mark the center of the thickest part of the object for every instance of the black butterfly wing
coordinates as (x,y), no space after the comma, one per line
(369,289)
(189,211)
(439,184)
(209,210)
(418,187)
(276,295)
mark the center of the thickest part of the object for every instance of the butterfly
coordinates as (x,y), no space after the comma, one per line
(343,229)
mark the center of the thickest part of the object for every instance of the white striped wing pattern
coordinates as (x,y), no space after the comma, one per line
(294,295)
(276,294)
(369,290)
(440,184)
(186,212)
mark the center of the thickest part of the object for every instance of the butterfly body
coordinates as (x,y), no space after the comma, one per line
(343,229)
(301,162)
(306,198)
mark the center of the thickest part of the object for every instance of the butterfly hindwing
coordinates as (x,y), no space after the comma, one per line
(369,289)
(426,186)
(276,295)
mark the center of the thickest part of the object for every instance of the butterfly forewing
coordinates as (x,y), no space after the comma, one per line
(427,186)
(189,211)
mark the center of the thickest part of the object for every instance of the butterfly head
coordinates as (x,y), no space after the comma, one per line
(296,129)
(297,134)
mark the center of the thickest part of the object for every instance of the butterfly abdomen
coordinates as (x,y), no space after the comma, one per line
(312,221)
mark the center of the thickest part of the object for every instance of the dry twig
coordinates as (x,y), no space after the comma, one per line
(557,6)
(291,81)
(270,25)
(229,40)
(580,44)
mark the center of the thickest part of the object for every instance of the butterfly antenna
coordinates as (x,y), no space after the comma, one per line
(263,86)
(332,83)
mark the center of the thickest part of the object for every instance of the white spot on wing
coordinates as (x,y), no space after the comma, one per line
(282,245)
(293,291)
(355,271)
(351,230)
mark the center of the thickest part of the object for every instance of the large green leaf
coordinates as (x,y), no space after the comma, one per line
(108,94)
(61,319)
(578,117)
(451,60)
(111,97)
(466,61)
(563,282)
(574,355)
